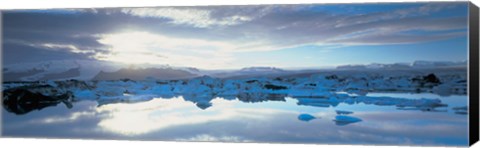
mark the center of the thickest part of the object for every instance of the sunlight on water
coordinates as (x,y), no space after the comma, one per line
(236,121)
(157,114)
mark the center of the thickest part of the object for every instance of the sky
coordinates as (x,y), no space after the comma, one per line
(229,37)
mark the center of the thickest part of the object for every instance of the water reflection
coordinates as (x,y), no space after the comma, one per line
(157,114)
(21,101)
(276,119)
(343,112)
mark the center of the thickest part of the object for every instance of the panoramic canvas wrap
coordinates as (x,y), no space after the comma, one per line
(373,73)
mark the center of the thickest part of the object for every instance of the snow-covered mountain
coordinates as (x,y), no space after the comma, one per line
(145,73)
(251,72)
(89,69)
(261,70)
(433,64)
(399,66)
(56,70)
(102,70)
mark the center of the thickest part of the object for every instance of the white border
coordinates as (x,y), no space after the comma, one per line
(44,4)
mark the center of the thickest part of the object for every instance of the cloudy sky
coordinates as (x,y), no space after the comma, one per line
(227,37)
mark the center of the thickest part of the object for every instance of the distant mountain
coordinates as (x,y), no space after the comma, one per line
(432,64)
(251,72)
(376,66)
(413,65)
(143,73)
(261,70)
(102,70)
(90,70)
(352,67)
(56,70)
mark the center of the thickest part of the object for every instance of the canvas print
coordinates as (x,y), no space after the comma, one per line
(360,73)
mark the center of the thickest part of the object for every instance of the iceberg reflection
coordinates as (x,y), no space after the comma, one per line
(234,120)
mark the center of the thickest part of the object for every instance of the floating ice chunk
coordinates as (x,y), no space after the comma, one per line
(51,83)
(308,93)
(443,89)
(203,105)
(260,97)
(342,112)
(423,108)
(85,95)
(358,92)
(162,89)
(110,89)
(141,98)
(461,110)
(228,97)
(305,117)
(342,120)
(318,102)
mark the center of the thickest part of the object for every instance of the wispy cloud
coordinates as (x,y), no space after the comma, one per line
(187,16)
(209,35)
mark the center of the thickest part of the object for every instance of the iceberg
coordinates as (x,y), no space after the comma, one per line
(310,89)
(342,112)
(342,120)
(305,117)
(463,110)
(318,102)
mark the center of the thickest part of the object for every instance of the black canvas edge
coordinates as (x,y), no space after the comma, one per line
(473,74)
(1,71)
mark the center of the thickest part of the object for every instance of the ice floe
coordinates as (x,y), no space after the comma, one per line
(306,117)
(316,90)
(342,120)
(342,112)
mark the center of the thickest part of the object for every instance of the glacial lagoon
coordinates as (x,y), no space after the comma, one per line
(227,119)
(341,107)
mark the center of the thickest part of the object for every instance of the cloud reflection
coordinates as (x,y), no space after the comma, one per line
(236,121)
(158,114)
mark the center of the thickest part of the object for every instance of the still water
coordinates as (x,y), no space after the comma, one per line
(232,120)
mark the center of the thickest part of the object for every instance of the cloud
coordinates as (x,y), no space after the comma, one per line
(144,47)
(287,29)
(18,53)
(276,27)
(205,34)
(34,36)
(380,38)
(195,17)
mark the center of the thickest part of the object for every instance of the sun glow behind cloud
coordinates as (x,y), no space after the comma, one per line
(143,47)
(231,37)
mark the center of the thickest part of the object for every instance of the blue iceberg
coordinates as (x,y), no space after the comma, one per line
(342,120)
(343,112)
(305,117)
